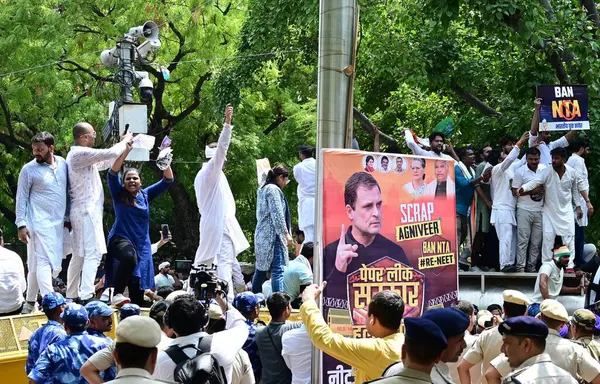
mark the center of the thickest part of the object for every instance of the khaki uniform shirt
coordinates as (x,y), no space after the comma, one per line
(592,345)
(404,375)
(539,369)
(569,356)
(486,348)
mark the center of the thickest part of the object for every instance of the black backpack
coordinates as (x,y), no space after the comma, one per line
(200,369)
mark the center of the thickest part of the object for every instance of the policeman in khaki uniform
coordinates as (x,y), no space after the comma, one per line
(581,331)
(569,356)
(135,350)
(523,342)
(487,346)
(453,324)
(423,347)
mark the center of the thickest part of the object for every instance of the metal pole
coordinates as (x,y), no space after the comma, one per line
(127,77)
(336,48)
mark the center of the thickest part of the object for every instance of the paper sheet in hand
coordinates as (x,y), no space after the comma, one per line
(143,141)
(262,168)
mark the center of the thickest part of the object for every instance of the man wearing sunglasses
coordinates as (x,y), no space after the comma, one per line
(87,200)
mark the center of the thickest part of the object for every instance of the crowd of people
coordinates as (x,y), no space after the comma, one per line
(530,216)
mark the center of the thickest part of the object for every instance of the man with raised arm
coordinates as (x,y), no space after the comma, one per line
(42,197)
(221,236)
(87,204)
(542,139)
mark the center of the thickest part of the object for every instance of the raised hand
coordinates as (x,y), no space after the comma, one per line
(345,252)
(228,114)
(313,291)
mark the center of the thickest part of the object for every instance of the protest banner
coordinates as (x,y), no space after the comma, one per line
(262,169)
(564,107)
(405,229)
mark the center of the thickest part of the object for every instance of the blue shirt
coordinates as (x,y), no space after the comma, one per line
(61,361)
(93,332)
(132,223)
(251,349)
(464,192)
(47,334)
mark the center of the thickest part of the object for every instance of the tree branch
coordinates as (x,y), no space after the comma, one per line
(6,113)
(592,11)
(12,142)
(368,126)
(227,9)
(181,52)
(474,101)
(79,68)
(80,28)
(196,94)
(8,213)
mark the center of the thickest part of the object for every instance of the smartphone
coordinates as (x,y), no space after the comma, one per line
(165,231)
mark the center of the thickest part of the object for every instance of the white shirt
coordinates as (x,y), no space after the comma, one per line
(87,192)
(161,280)
(304,173)
(242,369)
(560,195)
(225,346)
(522,176)
(578,164)
(296,352)
(217,205)
(555,281)
(540,369)
(414,147)
(504,203)
(41,206)
(545,149)
(571,357)
(12,281)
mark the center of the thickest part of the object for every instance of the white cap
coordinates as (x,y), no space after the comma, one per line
(515,297)
(139,330)
(164,264)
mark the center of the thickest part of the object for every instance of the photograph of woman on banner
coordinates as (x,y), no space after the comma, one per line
(416,187)
(369,164)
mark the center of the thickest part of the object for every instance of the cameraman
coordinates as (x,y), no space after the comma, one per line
(188,319)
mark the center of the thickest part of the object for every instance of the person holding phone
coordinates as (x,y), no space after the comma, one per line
(129,258)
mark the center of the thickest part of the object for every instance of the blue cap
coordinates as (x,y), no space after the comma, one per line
(422,330)
(97,308)
(247,301)
(74,315)
(526,326)
(128,310)
(451,321)
(52,300)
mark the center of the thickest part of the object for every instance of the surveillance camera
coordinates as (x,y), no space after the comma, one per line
(146,87)
(147,47)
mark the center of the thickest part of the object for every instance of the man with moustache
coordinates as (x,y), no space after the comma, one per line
(41,211)
(442,186)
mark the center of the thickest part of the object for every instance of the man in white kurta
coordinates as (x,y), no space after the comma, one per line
(304,173)
(87,206)
(41,211)
(562,188)
(436,146)
(503,208)
(221,236)
(577,162)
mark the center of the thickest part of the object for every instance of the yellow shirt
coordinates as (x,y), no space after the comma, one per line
(369,357)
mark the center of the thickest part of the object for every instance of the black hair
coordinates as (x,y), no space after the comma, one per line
(385,157)
(462,152)
(465,307)
(43,137)
(537,341)
(356,180)
(307,250)
(559,151)
(298,231)
(504,140)
(216,325)
(423,353)
(157,311)
(277,304)
(306,151)
(514,310)
(436,134)
(126,197)
(551,323)
(533,151)
(494,157)
(186,315)
(577,144)
(388,308)
(164,291)
(132,356)
(369,158)
(275,172)
(494,307)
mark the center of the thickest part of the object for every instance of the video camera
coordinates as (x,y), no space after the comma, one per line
(206,283)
